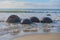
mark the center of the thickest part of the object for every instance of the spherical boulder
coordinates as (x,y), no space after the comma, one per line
(26,21)
(46,20)
(48,14)
(35,19)
(13,19)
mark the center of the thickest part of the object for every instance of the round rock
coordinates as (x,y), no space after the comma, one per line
(26,21)
(13,19)
(46,20)
(35,19)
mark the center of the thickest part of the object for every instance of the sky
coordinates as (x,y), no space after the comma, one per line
(30,4)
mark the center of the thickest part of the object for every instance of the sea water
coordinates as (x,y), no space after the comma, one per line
(54,16)
(7,35)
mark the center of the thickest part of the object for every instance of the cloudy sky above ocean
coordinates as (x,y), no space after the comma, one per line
(30,4)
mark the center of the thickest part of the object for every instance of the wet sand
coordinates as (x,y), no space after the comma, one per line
(50,36)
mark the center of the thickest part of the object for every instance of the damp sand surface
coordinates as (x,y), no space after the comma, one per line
(49,36)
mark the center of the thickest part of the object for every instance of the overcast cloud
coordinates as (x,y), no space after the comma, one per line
(22,4)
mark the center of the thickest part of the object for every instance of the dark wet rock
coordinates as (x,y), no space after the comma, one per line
(48,14)
(46,20)
(13,19)
(26,21)
(35,19)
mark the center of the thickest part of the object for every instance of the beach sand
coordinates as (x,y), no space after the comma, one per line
(49,36)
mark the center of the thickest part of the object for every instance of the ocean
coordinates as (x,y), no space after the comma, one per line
(55,16)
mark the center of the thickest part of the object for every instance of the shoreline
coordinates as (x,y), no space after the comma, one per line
(48,36)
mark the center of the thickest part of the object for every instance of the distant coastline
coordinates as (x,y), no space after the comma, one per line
(29,10)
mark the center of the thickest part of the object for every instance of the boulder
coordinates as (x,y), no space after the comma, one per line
(13,19)
(46,20)
(26,21)
(35,19)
